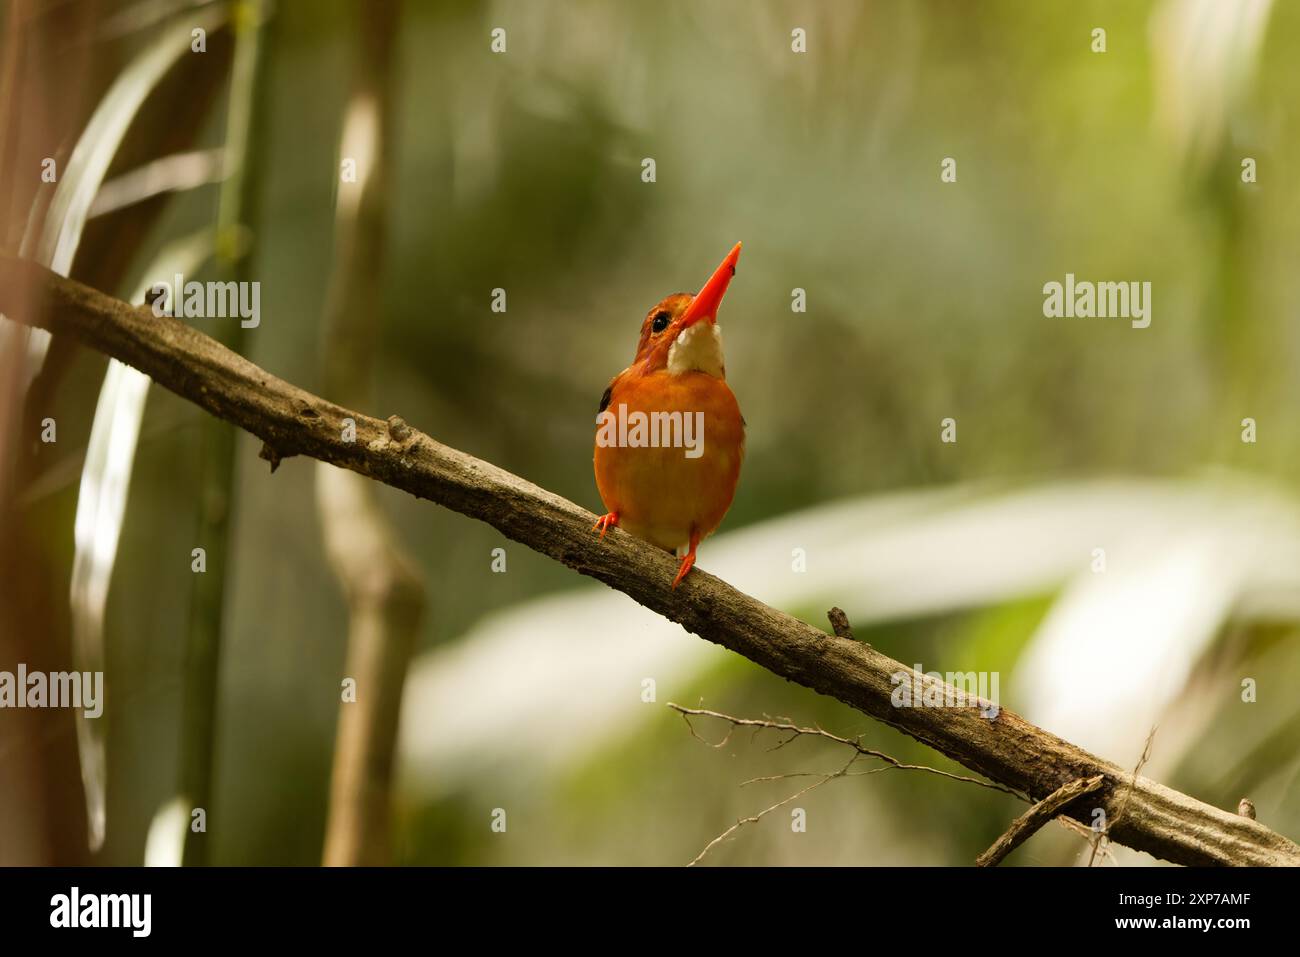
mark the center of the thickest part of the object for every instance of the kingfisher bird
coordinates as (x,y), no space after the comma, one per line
(669,495)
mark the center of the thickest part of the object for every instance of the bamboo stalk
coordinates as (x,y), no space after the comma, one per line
(382,588)
(217,483)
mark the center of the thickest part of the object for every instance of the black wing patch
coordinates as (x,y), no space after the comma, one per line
(604,399)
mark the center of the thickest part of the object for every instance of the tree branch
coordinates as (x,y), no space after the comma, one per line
(1005,748)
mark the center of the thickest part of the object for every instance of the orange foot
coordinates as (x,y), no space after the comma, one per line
(688,562)
(605,523)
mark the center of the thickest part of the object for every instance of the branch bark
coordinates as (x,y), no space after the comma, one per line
(1006,748)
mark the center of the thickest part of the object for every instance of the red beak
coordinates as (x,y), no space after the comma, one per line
(706,301)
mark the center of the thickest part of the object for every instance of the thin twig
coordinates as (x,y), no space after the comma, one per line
(1124,798)
(794,731)
(763,813)
(1038,815)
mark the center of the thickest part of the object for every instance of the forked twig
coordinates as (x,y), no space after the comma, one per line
(792,732)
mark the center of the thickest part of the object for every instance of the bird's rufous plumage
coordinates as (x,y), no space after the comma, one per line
(658,493)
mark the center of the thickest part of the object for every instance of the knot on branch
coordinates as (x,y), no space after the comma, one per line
(270,455)
(840,624)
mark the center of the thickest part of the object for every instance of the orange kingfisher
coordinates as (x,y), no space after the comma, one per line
(672,493)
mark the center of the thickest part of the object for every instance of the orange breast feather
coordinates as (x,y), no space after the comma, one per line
(661,494)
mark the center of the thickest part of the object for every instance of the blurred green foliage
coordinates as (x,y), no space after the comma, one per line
(522,171)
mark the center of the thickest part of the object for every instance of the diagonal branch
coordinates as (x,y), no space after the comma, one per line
(1023,827)
(1005,748)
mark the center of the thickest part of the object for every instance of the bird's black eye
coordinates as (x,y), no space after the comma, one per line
(661,320)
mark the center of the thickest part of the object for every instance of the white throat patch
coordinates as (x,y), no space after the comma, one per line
(697,348)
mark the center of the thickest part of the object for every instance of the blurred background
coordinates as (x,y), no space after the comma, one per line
(1099,535)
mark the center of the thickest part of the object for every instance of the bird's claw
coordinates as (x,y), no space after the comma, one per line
(687,564)
(605,523)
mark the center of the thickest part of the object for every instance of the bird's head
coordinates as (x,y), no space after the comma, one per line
(680,334)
